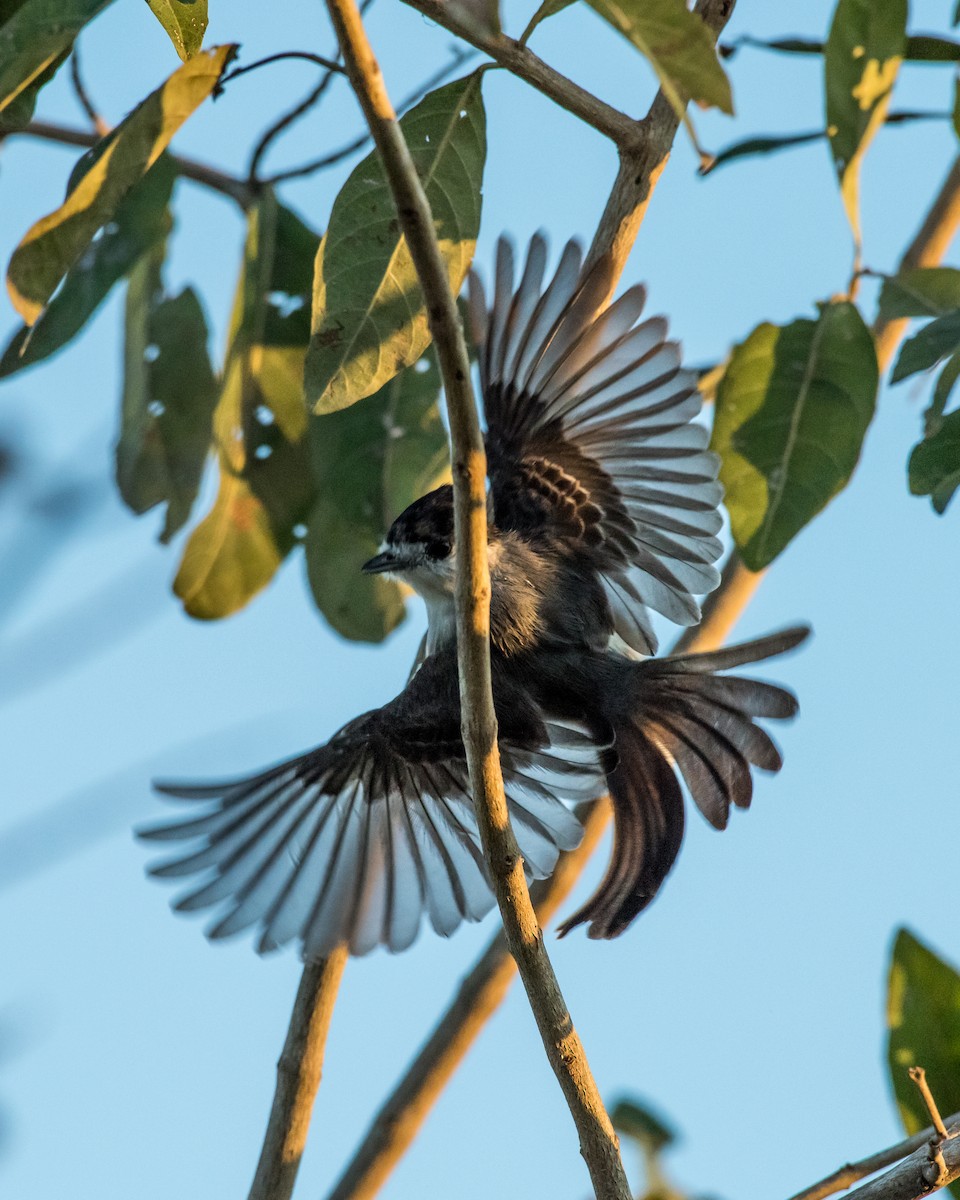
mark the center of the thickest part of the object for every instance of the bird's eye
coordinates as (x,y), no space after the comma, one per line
(437,549)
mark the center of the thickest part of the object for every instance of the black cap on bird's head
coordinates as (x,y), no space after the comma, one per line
(421,535)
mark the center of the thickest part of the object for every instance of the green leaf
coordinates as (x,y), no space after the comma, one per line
(921,292)
(864,50)
(140,221)
(925,349)
(791,414)
(114,166)
(36,36)
(934,467)
(941,394)
(169,395)
(185,22)
(371,461)
(639,1122)
(678,46)
(923,1018)
(260,424)
(955,19)
(369,320)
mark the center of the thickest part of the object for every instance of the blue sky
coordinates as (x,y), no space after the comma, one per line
(747,1003)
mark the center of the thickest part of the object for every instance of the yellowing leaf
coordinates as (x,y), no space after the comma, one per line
(114,166)
(862,57)
(678,46)
(260,424)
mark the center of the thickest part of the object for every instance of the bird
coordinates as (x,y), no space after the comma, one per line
(603,503)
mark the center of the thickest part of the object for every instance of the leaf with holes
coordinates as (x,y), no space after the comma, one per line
(185,22)
(36,36)
(260,424)
(169,394)
(142,221)
(370,462)
(863,54)
(678,46)
(102,179)
(923,1019)
(920,292)
(369,320)
(792,411)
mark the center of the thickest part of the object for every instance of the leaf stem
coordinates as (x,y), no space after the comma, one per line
(598,1142)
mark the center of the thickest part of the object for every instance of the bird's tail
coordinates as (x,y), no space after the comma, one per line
(683,716)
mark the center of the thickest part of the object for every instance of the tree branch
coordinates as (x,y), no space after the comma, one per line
(598,1142)
(218,181)
(298,1077)
(523,63)
(851,1173)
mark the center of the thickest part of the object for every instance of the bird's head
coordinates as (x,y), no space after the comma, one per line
(419,547)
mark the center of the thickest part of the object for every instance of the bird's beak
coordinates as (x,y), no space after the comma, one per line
(388,560)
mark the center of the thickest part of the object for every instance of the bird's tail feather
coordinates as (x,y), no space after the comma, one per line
(685,719)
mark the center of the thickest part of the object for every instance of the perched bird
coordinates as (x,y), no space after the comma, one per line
(603,496)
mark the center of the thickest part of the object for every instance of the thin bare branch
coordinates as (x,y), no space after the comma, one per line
(850,1173)
(457,59)
(211,177)
(598,1142)
(298,1077)
(83,96)
(328,64)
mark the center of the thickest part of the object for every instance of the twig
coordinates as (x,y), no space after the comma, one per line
(519,61)
(457,59)
(211,177)
(910,1179)
(327,63)
(288,118)
(919,1077)
(936,1173)
(298,1078)
(598,1142)
(83,96)
(851,1173)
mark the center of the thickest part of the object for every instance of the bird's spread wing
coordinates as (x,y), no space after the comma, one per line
(354,841)
(591,438)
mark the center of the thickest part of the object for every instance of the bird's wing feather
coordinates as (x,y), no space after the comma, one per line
(354,841)
(591,438)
